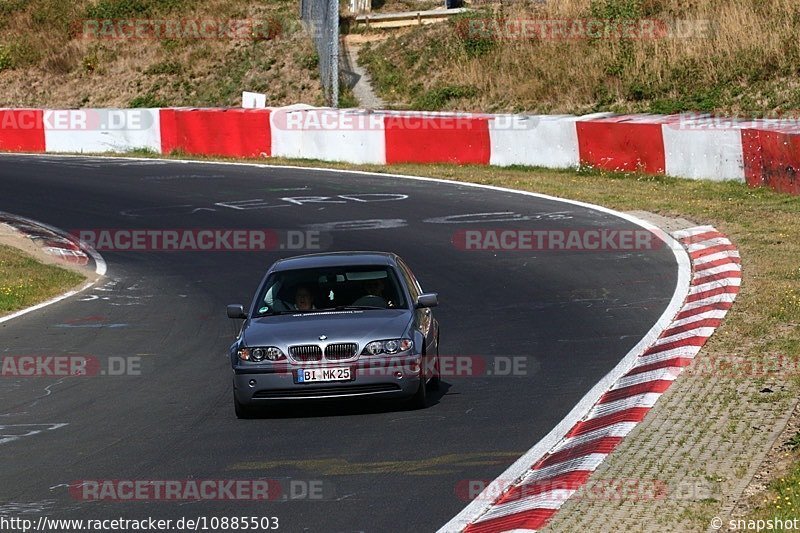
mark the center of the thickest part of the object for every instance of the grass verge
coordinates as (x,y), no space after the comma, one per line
(25,281)
(782,502)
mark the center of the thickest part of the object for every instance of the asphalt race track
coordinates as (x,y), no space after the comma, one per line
(373,467)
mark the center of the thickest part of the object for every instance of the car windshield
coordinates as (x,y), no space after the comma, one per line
(330,288)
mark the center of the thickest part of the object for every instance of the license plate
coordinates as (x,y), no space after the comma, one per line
(316,375)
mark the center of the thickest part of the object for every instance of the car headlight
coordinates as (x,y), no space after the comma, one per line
(390,347)
(269,353)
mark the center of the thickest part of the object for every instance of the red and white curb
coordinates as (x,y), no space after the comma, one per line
(551,478)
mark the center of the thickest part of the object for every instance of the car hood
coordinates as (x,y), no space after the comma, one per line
(340,326)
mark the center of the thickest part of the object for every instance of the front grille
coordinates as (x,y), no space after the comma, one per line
(308,352)
(342,350)
(321,392)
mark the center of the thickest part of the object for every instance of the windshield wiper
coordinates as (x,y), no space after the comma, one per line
(353,308)
(324,309)
(273,313)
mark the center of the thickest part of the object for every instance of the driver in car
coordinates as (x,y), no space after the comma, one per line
(375,287)
(303,299)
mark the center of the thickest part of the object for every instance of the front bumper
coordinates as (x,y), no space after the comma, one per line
(386,377)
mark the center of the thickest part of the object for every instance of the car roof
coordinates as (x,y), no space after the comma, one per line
(334,259)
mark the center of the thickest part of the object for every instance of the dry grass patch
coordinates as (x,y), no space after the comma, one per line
(746,63)
(396,6)
(45,60)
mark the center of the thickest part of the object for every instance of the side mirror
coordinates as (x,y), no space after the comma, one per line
(429,299)
(236,311)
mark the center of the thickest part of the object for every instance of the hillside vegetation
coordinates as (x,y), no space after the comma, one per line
(728,56)
(52,54)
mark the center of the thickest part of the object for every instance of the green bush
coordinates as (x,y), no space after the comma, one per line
(310,61)
(53,15)
(387,77)
(90,62)
(6,61)
(18,54)
(8,7)
(438,97)
(164,67)
(475,31)
(616,9)
(346,97)
(146,100)
(119,9)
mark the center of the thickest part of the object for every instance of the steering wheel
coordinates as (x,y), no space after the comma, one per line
(370,300)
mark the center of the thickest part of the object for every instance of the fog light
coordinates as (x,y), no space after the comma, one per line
(398,375)
(252,383)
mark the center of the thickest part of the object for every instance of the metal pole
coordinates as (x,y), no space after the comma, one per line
(334,13)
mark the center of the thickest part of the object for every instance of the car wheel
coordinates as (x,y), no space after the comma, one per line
(420,398)
(242,411)
(436,379)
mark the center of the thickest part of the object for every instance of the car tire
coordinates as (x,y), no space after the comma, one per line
(243,412)
(436,378)
(420,398)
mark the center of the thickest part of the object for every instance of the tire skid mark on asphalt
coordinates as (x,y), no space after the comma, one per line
(17,508)
(28,430)
(111,293)
(428,466)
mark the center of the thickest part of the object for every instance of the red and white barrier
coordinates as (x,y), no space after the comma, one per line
(699,151)
(437,138)
(102,130)
(328,135)
(772,157)
(22,130)
(762,153)
(536,140)
(224,132)
(628,143)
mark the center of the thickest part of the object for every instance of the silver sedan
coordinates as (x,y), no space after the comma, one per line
(334,325)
